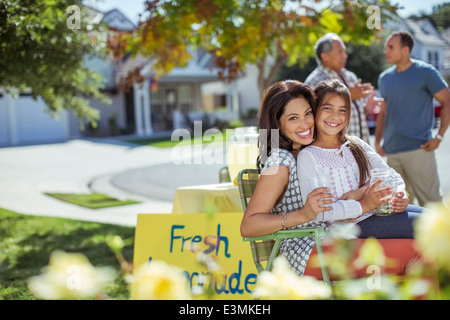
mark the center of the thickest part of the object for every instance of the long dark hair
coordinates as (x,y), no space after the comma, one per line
(273,104)
(335,87)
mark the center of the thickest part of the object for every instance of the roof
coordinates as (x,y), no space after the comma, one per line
(116,19)
(424,32)
(198,69)
(129,70)
(132,69)
(113,18)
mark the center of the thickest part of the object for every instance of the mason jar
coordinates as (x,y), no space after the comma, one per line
(388,180)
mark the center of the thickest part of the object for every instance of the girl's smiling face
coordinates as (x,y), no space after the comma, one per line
(332,116)
(297,122)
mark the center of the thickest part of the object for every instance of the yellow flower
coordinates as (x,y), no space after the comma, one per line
(432,232)
(159,281)
(282,283)
(69,276)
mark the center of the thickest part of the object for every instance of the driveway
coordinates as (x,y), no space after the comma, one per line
(128,171)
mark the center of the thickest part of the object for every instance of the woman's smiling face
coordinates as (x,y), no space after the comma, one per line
(332,115)
(297,122)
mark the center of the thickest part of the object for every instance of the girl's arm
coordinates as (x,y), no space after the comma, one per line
(355,194)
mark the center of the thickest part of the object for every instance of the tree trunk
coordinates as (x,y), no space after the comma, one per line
(265,81)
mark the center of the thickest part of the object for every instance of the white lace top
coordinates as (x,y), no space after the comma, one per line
(341,167)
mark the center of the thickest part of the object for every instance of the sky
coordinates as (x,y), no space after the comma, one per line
(132,8)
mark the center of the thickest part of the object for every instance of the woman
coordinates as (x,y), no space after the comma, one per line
(277,204)
(286,107)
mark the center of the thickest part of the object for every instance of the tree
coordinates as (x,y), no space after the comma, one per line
(440,15)
(265,33)
(42,47)
(367,61)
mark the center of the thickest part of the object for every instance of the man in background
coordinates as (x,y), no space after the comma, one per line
(406,118)
(331,59)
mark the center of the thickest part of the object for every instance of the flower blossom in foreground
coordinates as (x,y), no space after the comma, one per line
(283,283)
(432,232)
(158,280)
(69,276)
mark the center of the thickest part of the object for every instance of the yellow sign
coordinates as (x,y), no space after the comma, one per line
(188,241)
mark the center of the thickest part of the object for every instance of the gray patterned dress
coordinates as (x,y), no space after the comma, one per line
(295,250)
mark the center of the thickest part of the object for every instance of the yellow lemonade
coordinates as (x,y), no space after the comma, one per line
(242,151)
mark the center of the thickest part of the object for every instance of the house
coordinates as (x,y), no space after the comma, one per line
(446,67)
(176,99)
(147,108)
(25,120)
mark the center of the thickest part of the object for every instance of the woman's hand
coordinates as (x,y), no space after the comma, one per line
(316,202)
(399,201)
(373,197)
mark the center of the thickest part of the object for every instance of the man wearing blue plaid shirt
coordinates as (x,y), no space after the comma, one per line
(331,58)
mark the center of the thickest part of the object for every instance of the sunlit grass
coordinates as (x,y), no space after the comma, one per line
(167,142)
(91,200)
(26,243)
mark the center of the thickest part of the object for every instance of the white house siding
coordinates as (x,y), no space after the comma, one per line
(27,122)
(248,89)
(116,110)
(4,134)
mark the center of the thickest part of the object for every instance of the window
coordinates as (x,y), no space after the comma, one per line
(185,93)
(433,59)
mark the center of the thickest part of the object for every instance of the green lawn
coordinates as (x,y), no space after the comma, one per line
(26,243)
(166,142)
(91,200)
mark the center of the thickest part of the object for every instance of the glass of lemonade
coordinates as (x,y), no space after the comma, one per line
(242,150)
(387,175)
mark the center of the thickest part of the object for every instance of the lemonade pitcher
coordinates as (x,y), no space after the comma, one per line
(242,150)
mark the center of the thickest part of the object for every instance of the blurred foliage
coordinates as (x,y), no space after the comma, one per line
(366,61)
(43,44)
(440,15)
(265,33)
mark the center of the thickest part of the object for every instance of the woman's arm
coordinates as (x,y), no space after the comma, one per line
(269,190)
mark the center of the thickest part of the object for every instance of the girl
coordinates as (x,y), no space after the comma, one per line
(347,161)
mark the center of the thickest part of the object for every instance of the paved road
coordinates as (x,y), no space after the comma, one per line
(143,173)
(82,166)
